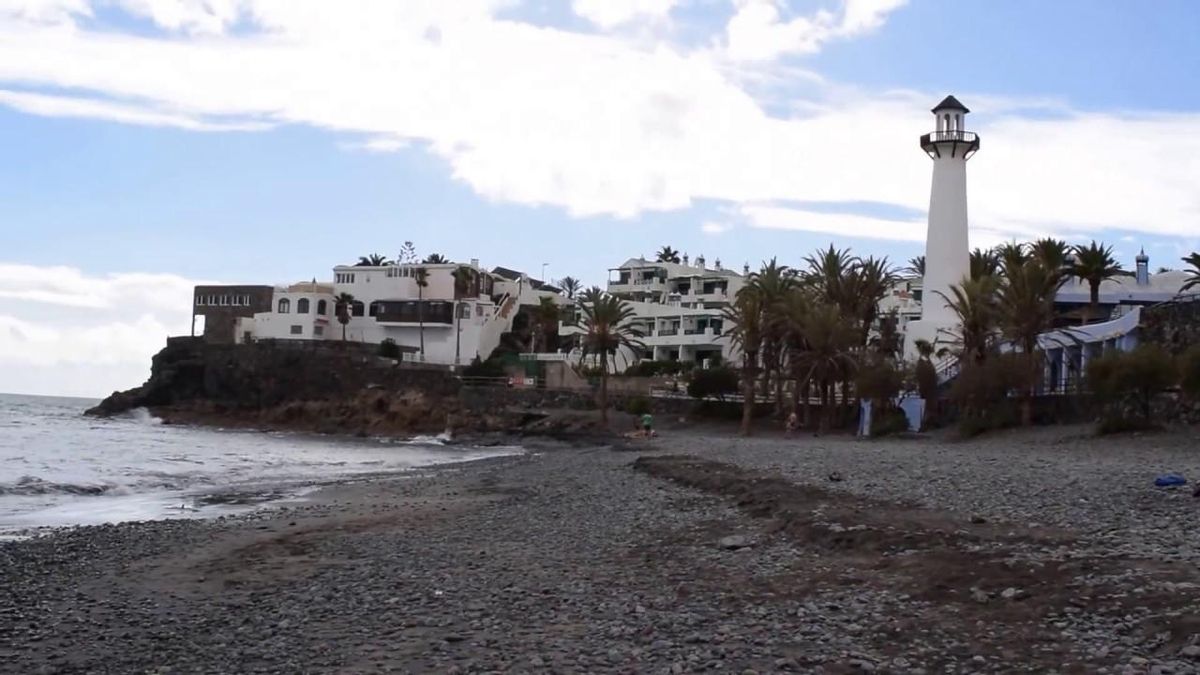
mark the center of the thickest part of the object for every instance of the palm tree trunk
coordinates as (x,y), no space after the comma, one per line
(747,393)
(603,388)
(1093,301)
(806,394)
(778,391)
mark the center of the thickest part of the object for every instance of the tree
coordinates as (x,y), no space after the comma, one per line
(831,337)
(373,260)
(826,273)
(1025,310)
(1052,253)
(973,302)
(746,318)
(915,268)
(1095,264)
(570,286)
(605,320)
(422,278)
(408,253)
(867,284)
(772,284)
(1012,254)
(984,264)
(1192,260)
(719,382)
(464,278)
(342,309)
(1136,377)
(435,259)
(667,254)
(926,374)
(545,323)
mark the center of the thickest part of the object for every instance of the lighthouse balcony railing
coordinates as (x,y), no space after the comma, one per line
(940,136)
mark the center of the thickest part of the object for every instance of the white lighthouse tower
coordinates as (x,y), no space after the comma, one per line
(947,257)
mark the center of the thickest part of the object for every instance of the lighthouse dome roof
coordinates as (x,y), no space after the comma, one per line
(950,103)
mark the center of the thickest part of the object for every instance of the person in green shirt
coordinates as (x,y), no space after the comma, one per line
(648,424)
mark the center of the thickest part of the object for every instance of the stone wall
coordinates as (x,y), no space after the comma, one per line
(1174,325)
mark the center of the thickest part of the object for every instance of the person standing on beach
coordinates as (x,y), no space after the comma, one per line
(648,424)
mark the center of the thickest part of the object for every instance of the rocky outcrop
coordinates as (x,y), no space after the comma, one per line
(338,388)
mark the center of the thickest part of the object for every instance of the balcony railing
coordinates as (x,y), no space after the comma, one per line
(667,332)
(939,136)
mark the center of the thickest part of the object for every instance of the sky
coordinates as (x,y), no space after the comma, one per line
(149,145)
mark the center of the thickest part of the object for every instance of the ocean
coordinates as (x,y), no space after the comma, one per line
(59,468)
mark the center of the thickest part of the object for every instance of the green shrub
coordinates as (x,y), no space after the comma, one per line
(981,392)
(715,382)
(879,379)
(489,368)
(638,405)
(1126,384)
(889,421)
(1189,371)
(388,349)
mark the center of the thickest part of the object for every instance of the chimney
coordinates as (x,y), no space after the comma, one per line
(475,263)
(700,261)
(1143,269)
(685,259)
(746,269)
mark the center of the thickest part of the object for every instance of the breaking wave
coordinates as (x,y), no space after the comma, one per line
(32,485)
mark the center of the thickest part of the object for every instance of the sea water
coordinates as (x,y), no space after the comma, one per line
(59,467)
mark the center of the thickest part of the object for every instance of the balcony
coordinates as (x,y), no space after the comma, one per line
(956,142)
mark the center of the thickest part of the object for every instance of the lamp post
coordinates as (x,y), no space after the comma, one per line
(457,333)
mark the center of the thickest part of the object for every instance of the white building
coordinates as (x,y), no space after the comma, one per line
(678,307)
(458,313)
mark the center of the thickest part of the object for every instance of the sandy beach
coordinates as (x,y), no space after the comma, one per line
(696,551)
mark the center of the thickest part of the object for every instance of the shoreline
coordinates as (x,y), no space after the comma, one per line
(1034,551)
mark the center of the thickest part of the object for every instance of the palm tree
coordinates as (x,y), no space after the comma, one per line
(545,322)
(422,278)
(1012,254)
(570,286)
(1193,260)
(827,271)
(463,280)
(973,301)
(791,313)
(435,259)
(984,264)
(1025,310)
(926,375)
(605,321)
(916,267)
(1053,253)
(373,260)
(772,284)
(1095,264)
(667,254)
(868,283)
(831,337)
(746,317)
(342,309)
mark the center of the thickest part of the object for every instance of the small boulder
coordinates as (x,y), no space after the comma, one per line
(734,542)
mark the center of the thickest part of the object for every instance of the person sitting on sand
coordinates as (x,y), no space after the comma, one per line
(793,423)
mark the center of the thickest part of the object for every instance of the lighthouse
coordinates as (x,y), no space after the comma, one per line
(947,257)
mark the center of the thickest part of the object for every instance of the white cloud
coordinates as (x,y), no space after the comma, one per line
(65,332)
(713,227)
(612,13)
(595,124)
(55,12)
(840,224)
(759,32)
(67,106)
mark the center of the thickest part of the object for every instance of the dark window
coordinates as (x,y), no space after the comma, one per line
(302,306)
(375,308)
(318,330)
(285,306)
(297,330)
(356,308)
(322,307)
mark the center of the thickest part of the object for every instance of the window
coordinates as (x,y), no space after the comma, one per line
(344,277)
(318,330)
(356,308)
(199,300)
(322,307)
(464,311)
(375,308)
(246,300)
(212,300)
(302,306)
(297,330)
(224,300)
(285,306)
